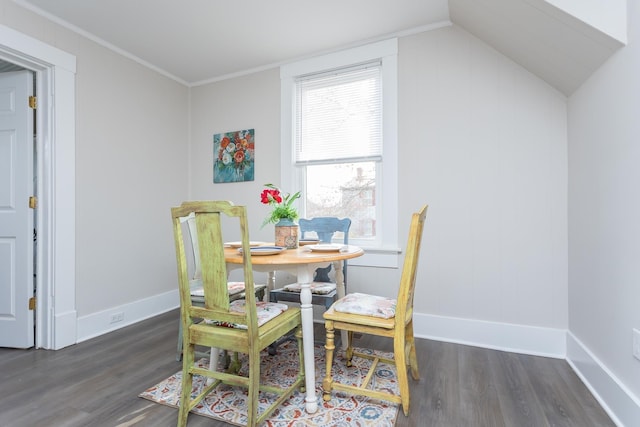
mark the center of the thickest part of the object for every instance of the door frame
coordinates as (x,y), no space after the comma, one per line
(56,316)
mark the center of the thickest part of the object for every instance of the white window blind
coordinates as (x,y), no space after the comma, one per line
(339,115)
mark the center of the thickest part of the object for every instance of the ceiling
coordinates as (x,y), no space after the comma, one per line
(198,41)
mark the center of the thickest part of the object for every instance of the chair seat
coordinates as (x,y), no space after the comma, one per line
(367,305)
(365,322)
(265,311)
(318,288)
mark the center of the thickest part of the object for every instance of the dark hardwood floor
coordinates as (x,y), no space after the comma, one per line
(96,383)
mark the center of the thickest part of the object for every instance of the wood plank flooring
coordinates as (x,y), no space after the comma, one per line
(96,383)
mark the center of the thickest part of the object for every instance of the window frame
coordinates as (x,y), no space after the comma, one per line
(385,252)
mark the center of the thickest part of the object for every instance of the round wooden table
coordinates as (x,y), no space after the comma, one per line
(302,262)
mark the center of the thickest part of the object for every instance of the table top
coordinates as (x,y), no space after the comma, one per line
(301,255)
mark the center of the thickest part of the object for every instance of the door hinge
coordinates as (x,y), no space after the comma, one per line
(33,202)
(32,303)
(33,102)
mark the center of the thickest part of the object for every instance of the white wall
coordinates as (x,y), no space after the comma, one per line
(483,142)
(248,102)
(604,231)
(131,166)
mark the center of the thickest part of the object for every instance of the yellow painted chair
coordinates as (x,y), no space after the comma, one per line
(380,316)
(244,325)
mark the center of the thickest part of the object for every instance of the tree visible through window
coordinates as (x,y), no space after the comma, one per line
(344,190)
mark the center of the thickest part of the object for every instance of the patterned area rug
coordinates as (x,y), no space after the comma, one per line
(343,410)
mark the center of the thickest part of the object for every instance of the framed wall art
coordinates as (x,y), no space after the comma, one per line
(233,159)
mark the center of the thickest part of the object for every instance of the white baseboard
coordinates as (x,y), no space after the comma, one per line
(618,401)
(100,323)
(64,331)
(523,339)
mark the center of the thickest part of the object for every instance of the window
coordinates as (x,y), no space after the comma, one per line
(339,143)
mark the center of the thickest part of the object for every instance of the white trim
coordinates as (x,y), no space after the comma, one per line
(96,324)
(55,271)
(340,58)
(614,397)
(524,339)
(377,257)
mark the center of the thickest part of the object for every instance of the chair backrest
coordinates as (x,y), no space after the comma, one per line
(325,227)
(404,308)
(190,221)
(207,218)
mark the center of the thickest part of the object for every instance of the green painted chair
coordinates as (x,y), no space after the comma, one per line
(244,325)
(236,289)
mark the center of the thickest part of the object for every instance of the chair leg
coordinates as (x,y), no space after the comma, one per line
(300,359)
(179,349)
(254,388)
(413,358)
(349,353)
(235,365)
(187,383)
(401,368)
(329,349)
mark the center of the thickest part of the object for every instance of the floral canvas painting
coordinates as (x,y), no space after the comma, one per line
(234,156)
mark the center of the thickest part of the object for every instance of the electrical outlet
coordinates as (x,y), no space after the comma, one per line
(636,344)
(117,317)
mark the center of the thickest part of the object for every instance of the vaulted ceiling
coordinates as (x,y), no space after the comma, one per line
(198,41)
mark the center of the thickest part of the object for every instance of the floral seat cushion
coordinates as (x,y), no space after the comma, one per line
(319,288)
(234,288)
(265,310)
(367,305)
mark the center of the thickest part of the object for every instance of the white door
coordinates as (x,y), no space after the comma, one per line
(16,218)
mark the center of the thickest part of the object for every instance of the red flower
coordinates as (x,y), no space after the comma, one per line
(225,141)
(282,204)
(269,196)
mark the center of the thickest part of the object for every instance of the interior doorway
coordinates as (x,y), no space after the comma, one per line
(56,316)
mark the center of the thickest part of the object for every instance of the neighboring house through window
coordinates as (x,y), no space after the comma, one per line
(339,143)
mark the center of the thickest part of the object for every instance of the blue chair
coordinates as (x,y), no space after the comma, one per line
(323,289)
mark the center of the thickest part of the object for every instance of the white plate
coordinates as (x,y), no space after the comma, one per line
(326,248)
(304,242)
(265,250)
(239,244)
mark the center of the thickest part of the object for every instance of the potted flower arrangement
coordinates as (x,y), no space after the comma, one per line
(283,214)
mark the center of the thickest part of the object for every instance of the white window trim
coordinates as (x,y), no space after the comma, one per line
(385,255)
